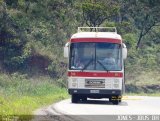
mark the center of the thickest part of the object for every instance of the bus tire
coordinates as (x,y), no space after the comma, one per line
(74,99)
(115,100)
(120,99)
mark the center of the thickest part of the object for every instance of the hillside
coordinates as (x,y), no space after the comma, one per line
(33,33)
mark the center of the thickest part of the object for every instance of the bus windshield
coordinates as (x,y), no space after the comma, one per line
(95,56)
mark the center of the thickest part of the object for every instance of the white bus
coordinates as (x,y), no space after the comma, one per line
(96,64)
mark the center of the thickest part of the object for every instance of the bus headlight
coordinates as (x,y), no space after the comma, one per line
(116,84)
(74,83)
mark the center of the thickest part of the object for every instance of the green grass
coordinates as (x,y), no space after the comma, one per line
(143,83)
(21,96)
(143,78)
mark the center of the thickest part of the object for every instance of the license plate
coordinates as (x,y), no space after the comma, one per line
(94,91)
(94,83)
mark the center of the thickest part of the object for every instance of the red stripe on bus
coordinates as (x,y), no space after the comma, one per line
(109,40)
(95,74)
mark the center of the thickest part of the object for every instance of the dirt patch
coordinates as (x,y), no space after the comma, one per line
(50,114)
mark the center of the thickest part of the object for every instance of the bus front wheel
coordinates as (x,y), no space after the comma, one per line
(75,98)
(115,99)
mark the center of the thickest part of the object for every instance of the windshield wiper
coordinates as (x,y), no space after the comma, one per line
(87,65)
(103,66)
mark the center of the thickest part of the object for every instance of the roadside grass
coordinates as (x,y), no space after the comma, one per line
(150,77)
(20,95)
(145,83)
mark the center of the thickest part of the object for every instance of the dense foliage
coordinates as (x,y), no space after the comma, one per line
(33,32)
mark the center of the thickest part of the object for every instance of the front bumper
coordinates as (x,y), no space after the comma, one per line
(95,92)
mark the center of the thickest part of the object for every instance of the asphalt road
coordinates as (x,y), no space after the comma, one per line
(99,110)
(130,105)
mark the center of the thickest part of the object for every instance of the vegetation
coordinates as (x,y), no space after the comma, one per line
(21,96)
(33,33)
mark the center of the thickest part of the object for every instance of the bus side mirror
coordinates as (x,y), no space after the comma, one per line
(124,51)
(66,50)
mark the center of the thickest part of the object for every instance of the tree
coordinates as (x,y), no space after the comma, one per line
(95,13)
(145,14)
(12,40)
(12,3)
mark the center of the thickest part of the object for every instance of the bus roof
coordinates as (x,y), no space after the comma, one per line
(111,35)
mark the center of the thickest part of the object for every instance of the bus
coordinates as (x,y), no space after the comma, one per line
(96,64)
